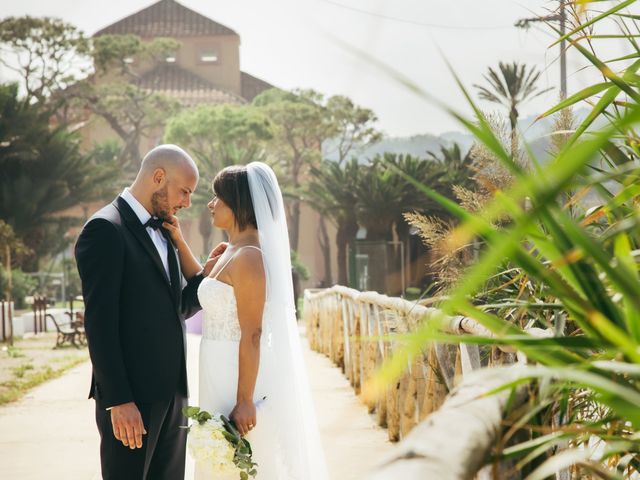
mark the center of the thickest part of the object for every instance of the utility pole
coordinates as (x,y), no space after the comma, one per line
(563,51)
(560,17)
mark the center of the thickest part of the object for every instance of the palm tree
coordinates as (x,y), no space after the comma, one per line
(44,174)
(457,168)
(436,174)
(513,85)
(374,196)
(451,156)
(332,193)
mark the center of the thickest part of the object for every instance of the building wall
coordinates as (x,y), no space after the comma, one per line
(310,249)
(225,73)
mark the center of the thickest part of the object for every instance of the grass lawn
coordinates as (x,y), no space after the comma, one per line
(32,361)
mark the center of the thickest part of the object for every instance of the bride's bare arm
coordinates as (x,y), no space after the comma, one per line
(188,262)
(248,278)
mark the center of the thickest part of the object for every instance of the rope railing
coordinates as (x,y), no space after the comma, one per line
(356,331)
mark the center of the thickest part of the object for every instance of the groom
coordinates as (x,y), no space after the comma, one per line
(135,306)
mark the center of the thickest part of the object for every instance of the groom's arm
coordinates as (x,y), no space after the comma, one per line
(190,302)
(100,258)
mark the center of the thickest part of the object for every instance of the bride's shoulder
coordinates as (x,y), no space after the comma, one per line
(247,272)
(250,251)
(248,259)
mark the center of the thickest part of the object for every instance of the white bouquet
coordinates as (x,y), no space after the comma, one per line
(214,440)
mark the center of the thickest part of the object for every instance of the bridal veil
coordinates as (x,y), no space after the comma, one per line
(297,433)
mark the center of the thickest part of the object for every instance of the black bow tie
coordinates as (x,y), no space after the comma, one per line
(154,223)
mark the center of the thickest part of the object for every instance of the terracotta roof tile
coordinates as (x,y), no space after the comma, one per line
(252,86)
(187,87)
(166,18)
(171,76)
(192,98)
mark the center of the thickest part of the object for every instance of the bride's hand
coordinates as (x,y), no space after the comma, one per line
(175,232)
(214,256)
(244,416)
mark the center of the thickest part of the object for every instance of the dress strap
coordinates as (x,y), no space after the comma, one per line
(232,257)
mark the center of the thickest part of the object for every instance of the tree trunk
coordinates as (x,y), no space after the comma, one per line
(346,234)
(513,120)
(325,244)
(342,243)
(294,225)
(292,210)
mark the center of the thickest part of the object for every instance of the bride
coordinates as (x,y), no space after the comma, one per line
(251,363)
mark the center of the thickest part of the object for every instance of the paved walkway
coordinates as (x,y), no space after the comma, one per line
(50,434)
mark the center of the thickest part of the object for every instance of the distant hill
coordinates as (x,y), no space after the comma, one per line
(535,133)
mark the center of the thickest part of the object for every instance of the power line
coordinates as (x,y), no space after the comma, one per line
(413,22)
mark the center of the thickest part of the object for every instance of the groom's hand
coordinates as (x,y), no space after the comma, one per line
(127,425)
(213,258)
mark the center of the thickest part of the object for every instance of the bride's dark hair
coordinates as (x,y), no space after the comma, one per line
(231,185)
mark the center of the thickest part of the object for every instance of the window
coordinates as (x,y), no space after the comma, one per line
(209,56)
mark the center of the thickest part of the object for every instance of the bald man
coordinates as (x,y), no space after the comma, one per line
(136,301)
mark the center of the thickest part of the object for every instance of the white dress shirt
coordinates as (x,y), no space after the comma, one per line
(156,237)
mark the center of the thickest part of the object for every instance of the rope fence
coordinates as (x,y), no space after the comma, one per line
(358,331)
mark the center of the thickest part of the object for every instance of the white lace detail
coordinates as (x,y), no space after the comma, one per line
(218,302)
(220,310)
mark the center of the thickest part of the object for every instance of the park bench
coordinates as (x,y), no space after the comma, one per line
(78,324)
(72,333)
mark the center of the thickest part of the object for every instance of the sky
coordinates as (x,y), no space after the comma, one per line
(356,47)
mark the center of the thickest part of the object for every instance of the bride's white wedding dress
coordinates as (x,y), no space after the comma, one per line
(219,376)
(286,440)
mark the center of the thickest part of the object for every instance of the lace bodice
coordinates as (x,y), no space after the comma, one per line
(220,311)
(218,303)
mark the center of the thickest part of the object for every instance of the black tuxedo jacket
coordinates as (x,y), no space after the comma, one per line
(134,314)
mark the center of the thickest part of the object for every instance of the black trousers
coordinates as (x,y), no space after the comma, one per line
(162,455)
